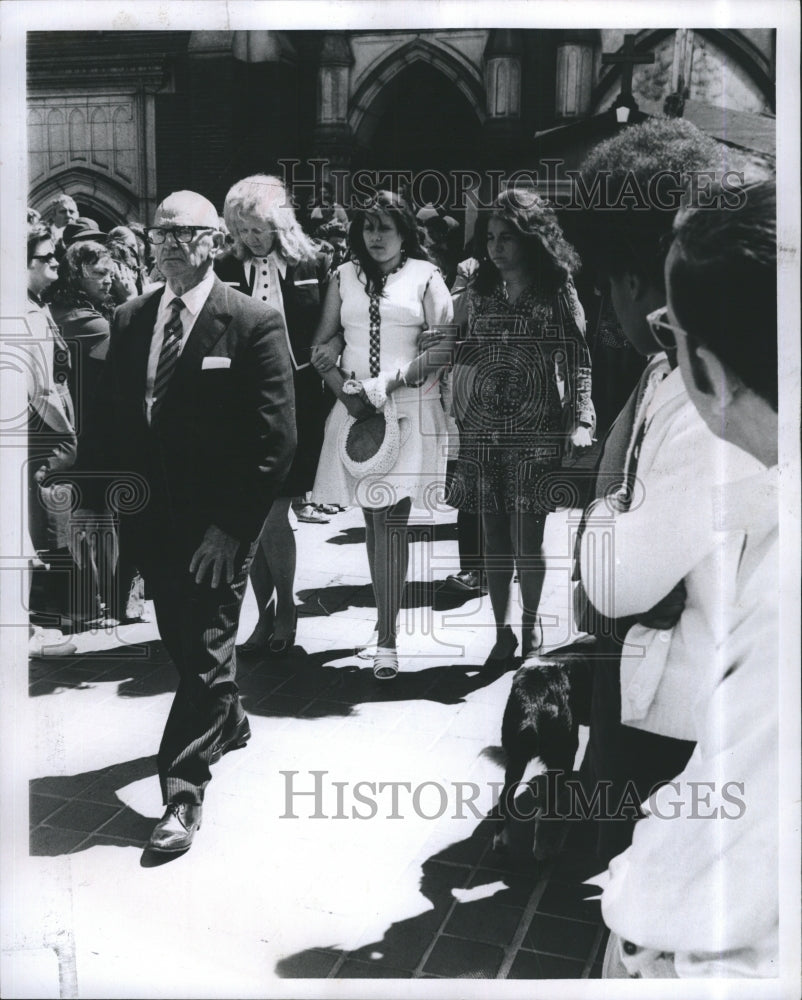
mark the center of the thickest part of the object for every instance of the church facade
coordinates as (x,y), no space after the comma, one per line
(118,119)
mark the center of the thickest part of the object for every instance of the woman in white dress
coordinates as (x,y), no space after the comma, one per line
(384,298)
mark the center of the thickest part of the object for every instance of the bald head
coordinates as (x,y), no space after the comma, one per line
(187,208)
(186,237)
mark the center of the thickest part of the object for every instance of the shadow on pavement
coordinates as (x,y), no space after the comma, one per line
(91,809)
(402,951)
(417,594)
(313,688)
(141,670)
(348,536)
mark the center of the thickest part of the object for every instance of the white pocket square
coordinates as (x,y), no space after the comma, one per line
(215,363)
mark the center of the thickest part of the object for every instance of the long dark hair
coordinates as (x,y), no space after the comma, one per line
(401,214)
(552,259)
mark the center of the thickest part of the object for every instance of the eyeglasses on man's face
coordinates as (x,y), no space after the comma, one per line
(181,234)
(47,257)
(664,332)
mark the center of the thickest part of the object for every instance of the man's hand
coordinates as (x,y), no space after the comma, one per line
(216,554)
(666,613)
(430,337)
(579,440)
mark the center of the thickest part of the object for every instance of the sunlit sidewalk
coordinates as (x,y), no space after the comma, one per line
(346,840)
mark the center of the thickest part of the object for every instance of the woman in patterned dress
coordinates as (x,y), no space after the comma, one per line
(384,298)
(525,329)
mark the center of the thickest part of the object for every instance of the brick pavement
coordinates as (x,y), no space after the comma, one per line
(263,897)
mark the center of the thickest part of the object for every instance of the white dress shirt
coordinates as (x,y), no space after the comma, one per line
(651,548)
(194,300)
(701,877)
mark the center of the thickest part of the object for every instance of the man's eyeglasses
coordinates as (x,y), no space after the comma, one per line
(45,256)
(182,234)
(663,331)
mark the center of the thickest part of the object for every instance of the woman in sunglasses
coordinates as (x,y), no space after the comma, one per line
(52,443)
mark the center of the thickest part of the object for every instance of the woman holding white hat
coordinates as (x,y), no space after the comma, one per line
(384,298)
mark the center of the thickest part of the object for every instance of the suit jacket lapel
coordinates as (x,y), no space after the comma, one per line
(209,327)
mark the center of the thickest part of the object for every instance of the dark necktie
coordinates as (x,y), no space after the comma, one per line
(171,348)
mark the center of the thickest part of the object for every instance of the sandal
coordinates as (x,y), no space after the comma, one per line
(308,514)
(385,664)
(328,508)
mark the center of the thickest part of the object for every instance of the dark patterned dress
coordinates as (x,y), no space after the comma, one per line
(507,398)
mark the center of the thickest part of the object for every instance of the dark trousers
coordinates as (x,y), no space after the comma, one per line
(198,625)
(626,763)
(470,537)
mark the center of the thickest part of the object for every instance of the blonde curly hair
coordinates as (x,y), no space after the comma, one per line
(266,198)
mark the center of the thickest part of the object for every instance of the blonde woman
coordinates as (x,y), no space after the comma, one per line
(274,262)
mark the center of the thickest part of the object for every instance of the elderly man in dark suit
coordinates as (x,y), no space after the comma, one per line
(198,401)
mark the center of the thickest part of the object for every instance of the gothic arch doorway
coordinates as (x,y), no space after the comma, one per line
(423,123)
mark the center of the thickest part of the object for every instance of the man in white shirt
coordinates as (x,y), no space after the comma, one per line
(197,401)
(697,892)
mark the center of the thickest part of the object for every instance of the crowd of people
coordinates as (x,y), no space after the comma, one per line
(230,367)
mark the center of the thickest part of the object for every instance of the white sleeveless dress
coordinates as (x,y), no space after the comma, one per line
(419,471)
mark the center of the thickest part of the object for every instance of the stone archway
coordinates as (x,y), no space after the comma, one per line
(97,196)
(420,112)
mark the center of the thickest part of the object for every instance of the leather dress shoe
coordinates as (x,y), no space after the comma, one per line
(175,830)
(232,739)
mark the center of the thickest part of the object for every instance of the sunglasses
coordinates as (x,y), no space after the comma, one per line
(45,256)
(181,234)
(664,333)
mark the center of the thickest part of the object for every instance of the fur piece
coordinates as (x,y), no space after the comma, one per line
(548,701)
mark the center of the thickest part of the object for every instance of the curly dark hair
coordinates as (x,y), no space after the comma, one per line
(67,290)
(398,210)
(552,259)
(627,234)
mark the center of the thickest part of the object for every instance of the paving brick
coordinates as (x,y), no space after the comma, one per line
(370,970)
(459,958)
(532,965)
(41,806)
(484,920)
(279,706)
(570,900)
(48,841)
(310,964)
(516,889)
(80,815)
(558,936)
(406,941)
(325,708)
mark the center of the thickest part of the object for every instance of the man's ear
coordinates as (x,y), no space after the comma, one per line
(635,285)
(218,242)
(712,378)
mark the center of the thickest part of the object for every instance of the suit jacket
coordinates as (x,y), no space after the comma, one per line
(225,433)
(303,288)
